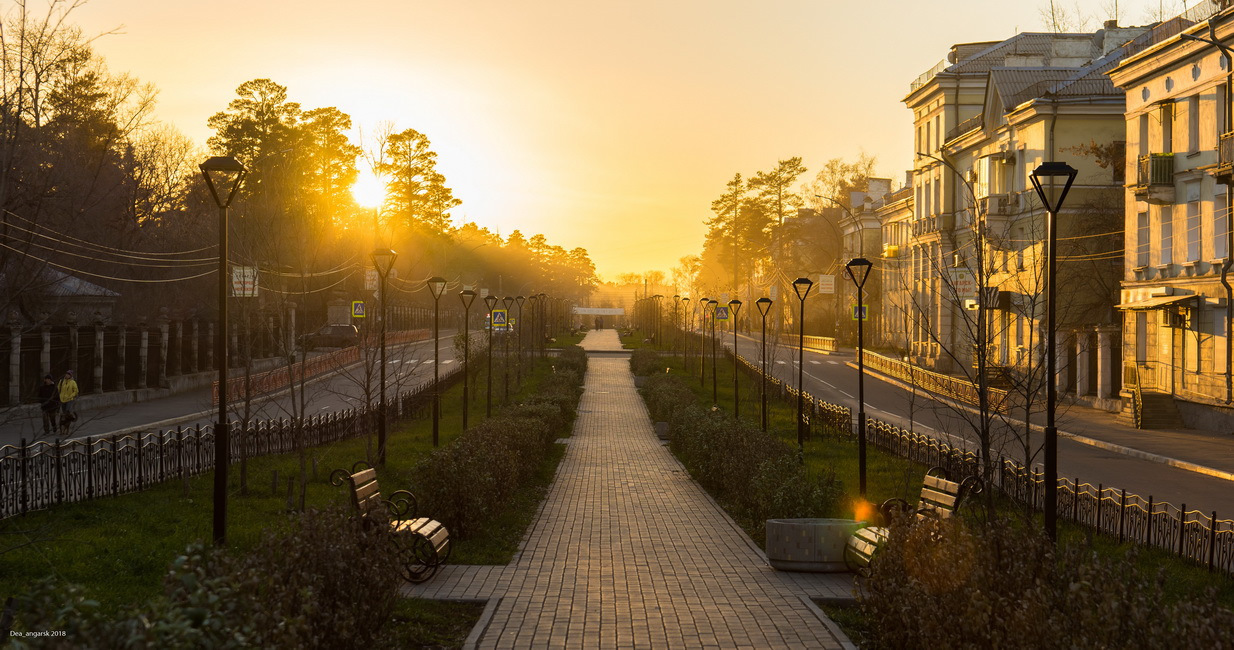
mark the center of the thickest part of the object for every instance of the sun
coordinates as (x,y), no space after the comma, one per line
(368,190)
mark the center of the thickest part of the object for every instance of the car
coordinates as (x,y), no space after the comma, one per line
(333,336)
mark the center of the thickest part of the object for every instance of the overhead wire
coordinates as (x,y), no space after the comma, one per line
(83,243)
(105,277)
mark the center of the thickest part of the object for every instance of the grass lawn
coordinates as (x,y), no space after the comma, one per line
(119,548)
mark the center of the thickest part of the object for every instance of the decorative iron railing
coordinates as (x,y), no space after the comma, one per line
(40,475)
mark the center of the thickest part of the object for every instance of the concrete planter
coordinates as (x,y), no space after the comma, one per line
(809,545)
(662,430)
(639,381)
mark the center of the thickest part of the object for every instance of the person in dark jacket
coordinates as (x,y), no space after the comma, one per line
(49,403)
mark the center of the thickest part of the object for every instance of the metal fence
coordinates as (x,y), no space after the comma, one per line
(1200,537)
(40,475)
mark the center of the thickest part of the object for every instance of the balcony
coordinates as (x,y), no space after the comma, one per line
(999,205)
(1225,158)
(1154,181)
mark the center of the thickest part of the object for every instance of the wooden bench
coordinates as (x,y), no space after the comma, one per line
(424,543)
(940,498)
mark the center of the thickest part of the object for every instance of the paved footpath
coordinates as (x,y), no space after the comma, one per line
(628,551)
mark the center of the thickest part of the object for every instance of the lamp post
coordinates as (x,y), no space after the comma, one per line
(1052,198)
(226,174)
(764,306)
(676,328)
(436,286)
(859,271)
(508,301)
(519,300)
(491,302)
(467,297)
(657,343)
(715,361)
(687,318)
(802,287)
(383,261)
(541,323)
(734,307)
(702,342)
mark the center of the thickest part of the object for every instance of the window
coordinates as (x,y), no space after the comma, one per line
(1219,110)
(1193,123)
(1141,239)
(1166,255)
(1144,135)
(1221,223)
(1167,127)
(1192,193)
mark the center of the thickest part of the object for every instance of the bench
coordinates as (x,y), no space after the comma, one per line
(940,498)
(423,543)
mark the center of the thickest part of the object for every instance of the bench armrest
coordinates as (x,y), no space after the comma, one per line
(402,505)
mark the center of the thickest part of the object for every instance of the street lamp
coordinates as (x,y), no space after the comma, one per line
(764,306)
(508,301)
(1052,198)
(715,360)
(383,261)
(467,297)
(702,342)
(687,318)
(734,307)
(802,287)
(227,174)
(519,300)
(436,286)
(541,324)
(676,328)
(491,302)
(859,271)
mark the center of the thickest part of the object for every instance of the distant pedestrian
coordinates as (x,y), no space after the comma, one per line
(49,403)
(68,394)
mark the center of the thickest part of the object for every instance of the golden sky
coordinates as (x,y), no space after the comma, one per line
(607,125)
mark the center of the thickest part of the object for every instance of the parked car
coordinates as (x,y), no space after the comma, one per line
(333,336)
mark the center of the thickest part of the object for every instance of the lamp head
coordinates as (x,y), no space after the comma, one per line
(508,300)
(764,305)
(491,301)
(223,174)
(520,300)
(802,287)
(467,296)
(734,306)
(859,270)
(436,286)
(1046,180)
(383,260)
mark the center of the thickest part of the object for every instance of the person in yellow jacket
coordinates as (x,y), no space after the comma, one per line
(68,394)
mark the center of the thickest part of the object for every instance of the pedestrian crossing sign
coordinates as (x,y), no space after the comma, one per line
(722,312)
(357,309)
(861,313)
(500,318)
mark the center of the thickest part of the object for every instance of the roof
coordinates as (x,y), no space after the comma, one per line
(1154,302)
(1025,44)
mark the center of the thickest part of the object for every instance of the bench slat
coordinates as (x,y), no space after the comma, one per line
(941,484)
(938,499)
(366,490)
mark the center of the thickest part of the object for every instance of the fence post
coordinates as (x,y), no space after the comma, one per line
(1122,516)
(115,467)
(1100,498)
(1150,520)
(1212,540)
(162,457)
(89,468)
(1075,503)
(25,478)
(197,444)
(59,473)
(1182,527)
(141,470)
(180,450)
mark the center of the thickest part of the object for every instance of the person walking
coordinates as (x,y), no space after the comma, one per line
(49,403)
(67,392)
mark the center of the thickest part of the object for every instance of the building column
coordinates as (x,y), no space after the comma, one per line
(193,346)
(1083,344)
(14,358)
(143,356)
(210,346)
(98,353)
(1105,362)
(291,329)
(164,336)
(175,358)
(1060,361)
(45,350)
(122,351)
(72,362)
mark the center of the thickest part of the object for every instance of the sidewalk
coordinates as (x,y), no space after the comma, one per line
(628,551)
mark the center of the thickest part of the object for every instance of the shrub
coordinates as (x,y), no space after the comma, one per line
(331,581)
(665,395)
(938,583)
(645,361)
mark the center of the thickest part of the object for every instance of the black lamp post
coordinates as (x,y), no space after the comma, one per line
(655,327)
(491,302)
(519,300)
(687,319)
(542,324)
(1052,197)
(226,174)
(436,286)
(383,261)
(715,360)
(734,307)
(859,272)
(676,328)
(508,301)
(467,296)
(702,341)
(764,306)
(802,287)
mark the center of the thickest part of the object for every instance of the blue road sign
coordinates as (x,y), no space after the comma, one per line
(864,314)
(357,309)
(500,318)
(721,312)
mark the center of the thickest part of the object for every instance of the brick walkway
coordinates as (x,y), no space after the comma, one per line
(628,551)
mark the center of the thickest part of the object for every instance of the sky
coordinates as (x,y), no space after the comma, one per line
(611,126)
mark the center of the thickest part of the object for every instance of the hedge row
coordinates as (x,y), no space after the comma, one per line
(755,475)
(466,483)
